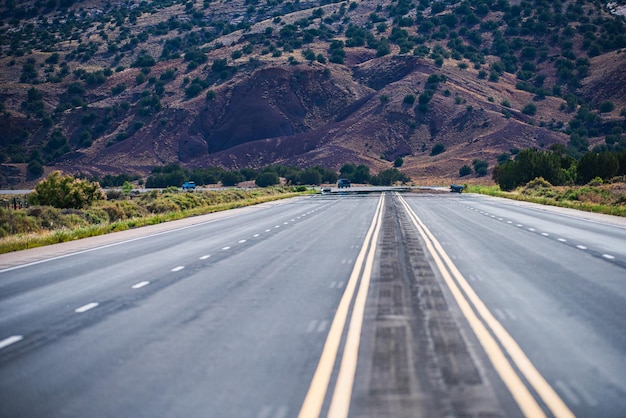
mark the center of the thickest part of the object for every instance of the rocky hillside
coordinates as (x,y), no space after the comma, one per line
(98,87)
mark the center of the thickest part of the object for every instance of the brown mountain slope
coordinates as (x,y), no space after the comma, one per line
(268,103)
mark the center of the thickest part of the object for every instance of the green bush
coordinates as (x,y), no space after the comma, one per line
(437,149)
(267,179)
(65,192)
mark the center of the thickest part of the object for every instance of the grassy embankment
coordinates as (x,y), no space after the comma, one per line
(37,226)
(608,198)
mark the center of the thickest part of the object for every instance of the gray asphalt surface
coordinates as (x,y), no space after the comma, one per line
(231,323)
(226,315)
(555,279)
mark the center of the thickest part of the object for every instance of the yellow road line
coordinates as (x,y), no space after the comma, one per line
(518,389)
(340,403)
(316,394)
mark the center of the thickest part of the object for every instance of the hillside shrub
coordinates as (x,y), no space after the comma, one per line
(267,179)
(480,167)
(65,192)
(437,149)
(466,170)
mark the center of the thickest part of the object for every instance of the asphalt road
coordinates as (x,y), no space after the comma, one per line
(332,304)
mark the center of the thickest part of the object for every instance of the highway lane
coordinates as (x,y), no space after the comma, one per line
(556,282)
(240,314)
(222,318)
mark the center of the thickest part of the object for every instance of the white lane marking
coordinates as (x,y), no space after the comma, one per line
(225,248)
(587,398)
(277,226)
(519,225)
(265,412)
(322,326)
(281,412)
(567,392)
(499,313)
(11,340)
(177,268)
(545,234)
(581,247)
(511,314)
(468,300)
(86,307)
(608,256)
(204,257)
(267,230)
(500,219)
(531,229)
(285,223)
(89,250)
(562,240)
(255,235)
(268,412)
(140,285)
(509,222)
(293,220)
(241,241)
(312,326)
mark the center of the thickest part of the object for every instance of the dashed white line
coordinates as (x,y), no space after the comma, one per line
(519,225)
(608,256)
(255,235)
(241,241)
(86,307)
(567,392)
(545,234)
(140,285)
(581,247)
(312,326)
(562,240)
(531,229)
(267,230)
(177,268)
(225,248)
(511,314)
(11,340)
(204,257)
(322,326)
(500,314)
(277,226)
(585,396)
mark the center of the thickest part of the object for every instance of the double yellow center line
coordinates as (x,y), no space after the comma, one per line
(340,403)
(494,339)
(502,350)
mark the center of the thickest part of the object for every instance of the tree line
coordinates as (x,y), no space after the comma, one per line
(175,175)
(558,168)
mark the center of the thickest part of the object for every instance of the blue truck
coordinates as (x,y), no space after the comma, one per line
(189,185)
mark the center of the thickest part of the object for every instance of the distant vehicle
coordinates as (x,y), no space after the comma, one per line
(189,185)
(455,188)
(343,183)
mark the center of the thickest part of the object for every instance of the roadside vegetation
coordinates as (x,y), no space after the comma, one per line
(63,208)
(597,196)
